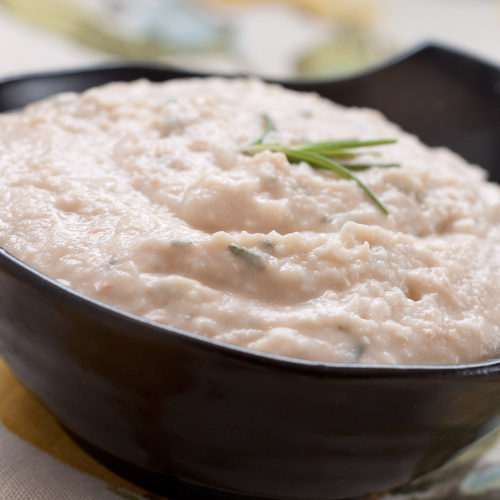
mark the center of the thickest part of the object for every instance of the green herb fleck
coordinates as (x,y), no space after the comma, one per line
(357,352)
(181,243)
(252,258)
(265,243)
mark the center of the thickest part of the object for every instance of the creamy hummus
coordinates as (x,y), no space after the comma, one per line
(141,196)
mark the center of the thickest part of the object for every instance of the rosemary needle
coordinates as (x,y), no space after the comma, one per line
(252,258)
(327,155)
(269,127)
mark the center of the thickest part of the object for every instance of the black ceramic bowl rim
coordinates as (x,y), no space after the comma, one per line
(309,82)
(142,327)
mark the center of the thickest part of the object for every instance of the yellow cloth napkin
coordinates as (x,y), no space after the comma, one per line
(39,461)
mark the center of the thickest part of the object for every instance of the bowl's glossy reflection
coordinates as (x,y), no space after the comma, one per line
(236,421)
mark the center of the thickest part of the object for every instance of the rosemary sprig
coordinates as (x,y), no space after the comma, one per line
(327,155)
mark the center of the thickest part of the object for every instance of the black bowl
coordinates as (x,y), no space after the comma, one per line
(227,419)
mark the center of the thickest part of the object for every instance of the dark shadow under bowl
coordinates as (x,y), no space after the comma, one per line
(198,412)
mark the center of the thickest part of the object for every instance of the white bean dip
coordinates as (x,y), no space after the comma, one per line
(133,194)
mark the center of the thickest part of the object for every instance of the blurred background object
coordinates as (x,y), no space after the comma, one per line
(280,38)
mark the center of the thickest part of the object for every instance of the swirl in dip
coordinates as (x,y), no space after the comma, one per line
(141,195)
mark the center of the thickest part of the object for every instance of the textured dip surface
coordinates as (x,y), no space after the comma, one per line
(140,195)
